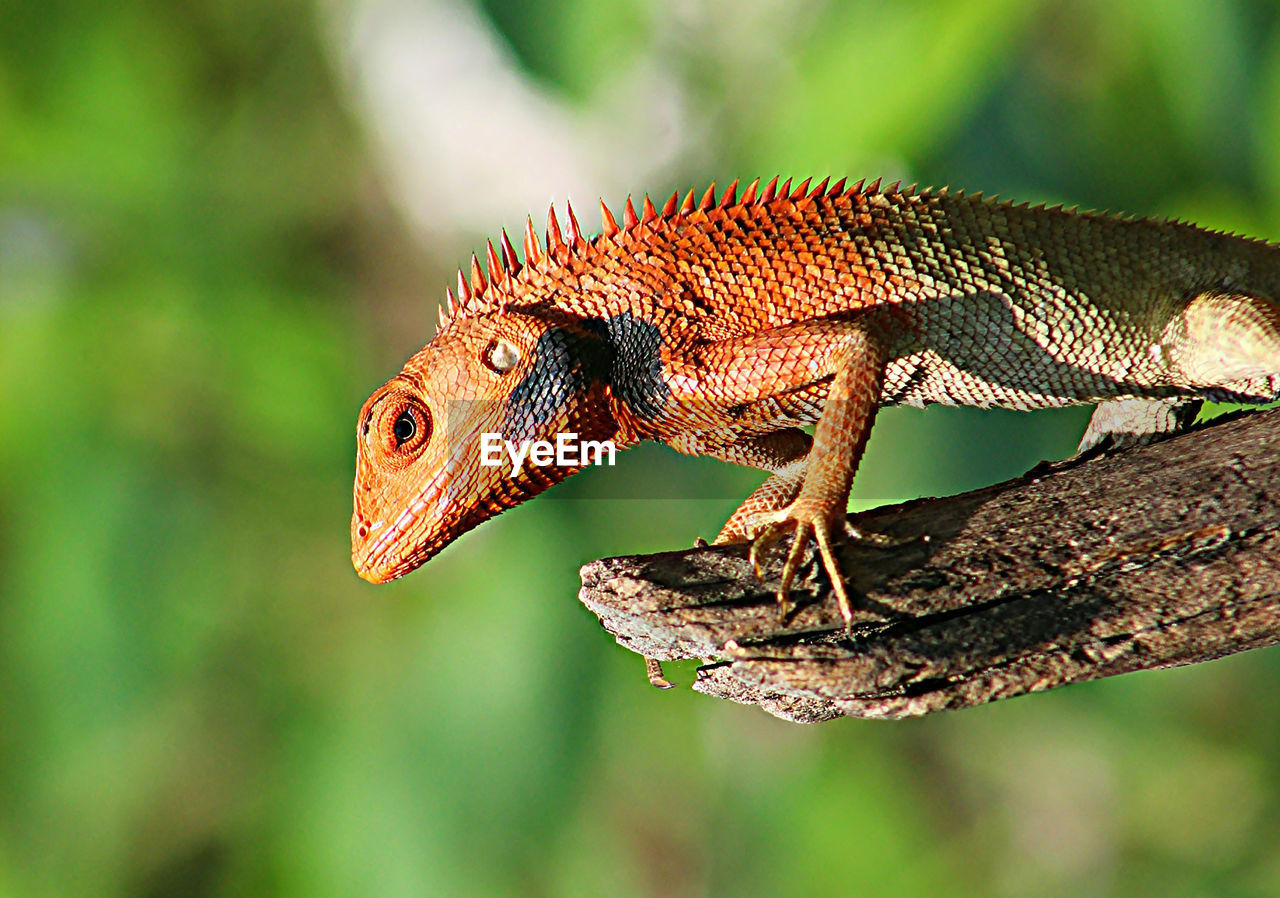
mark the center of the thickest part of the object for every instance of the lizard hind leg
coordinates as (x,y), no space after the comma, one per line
(1229,339)
(1221,340)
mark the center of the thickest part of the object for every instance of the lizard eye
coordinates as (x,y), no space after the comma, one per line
(405,428)
(501,356)
(401,425)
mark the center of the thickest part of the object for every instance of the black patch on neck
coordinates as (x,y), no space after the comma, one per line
(622,350)
(635,369)
(565,362)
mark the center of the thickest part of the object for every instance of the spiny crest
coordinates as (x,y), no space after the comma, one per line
(478,293)
(575,233)
(609,226)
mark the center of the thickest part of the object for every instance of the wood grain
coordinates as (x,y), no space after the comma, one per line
(1153,557)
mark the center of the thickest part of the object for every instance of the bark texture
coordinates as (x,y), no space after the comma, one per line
(1157,556)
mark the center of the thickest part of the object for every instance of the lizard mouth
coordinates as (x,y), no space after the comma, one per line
(372,554)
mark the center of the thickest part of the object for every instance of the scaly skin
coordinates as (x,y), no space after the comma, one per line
(721,328)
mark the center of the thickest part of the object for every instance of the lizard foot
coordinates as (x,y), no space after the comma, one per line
(816,525)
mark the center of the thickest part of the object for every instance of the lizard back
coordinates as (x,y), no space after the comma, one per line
(1009,305)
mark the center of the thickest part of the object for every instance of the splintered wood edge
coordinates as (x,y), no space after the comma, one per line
(1158,556)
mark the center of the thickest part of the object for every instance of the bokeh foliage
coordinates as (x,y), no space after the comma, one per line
(203,271)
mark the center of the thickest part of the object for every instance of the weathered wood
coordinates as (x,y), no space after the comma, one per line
(1154,557)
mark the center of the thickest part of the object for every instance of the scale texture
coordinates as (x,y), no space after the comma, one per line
(723,326)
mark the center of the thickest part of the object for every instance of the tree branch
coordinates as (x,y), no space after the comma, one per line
(1164,555)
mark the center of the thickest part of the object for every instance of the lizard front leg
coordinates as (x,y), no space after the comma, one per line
(783,453)
(807,495)
(818,510)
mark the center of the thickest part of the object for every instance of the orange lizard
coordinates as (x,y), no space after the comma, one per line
(723,327)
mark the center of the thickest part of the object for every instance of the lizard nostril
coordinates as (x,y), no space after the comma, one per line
(363,530)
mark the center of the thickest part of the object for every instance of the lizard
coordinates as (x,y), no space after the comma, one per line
(726,325)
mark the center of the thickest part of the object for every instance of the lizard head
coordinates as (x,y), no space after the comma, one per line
(432,457)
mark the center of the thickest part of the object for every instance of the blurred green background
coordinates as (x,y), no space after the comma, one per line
(224,222)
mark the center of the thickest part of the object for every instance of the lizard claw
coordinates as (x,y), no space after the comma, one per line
(764,540)
(653,670)
(804,528)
